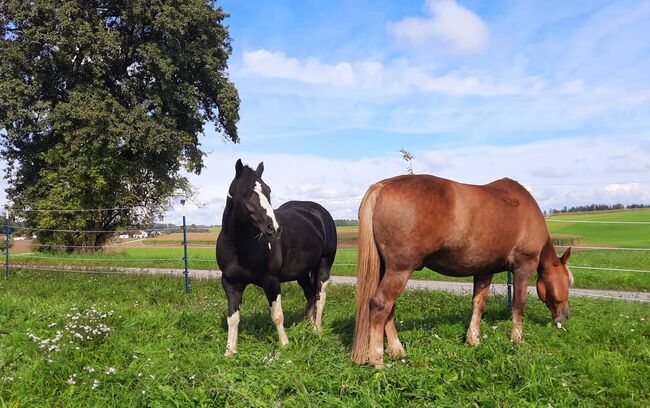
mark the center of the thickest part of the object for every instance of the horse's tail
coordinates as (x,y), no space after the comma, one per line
(367,275)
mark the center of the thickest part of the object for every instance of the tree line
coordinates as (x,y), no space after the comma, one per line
(597,207)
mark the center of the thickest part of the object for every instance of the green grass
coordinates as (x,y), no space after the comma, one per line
(166,349)
(622,235)
(345,264)
(601,234)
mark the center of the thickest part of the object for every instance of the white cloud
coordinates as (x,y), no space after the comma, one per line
(450,26)
(338,184)
(278,65)
(433,161)
(550,172)
(373,76)
(630,167)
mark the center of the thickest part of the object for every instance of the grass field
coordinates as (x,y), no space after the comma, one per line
(345,264)
(165,252)
(166,349)
(622,235)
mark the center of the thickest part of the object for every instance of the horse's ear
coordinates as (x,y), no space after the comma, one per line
(566,256)
(239,166)
(259,170)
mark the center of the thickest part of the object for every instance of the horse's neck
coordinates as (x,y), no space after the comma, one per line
(548,255)
(236,230)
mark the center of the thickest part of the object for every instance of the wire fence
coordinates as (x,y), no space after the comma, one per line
(112,256)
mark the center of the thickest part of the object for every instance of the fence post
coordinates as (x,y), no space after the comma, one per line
(7,244)
(187,274)
(509,290)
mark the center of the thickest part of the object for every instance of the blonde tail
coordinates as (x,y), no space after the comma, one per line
(367,275)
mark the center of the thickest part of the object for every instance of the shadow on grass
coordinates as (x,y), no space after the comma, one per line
(344,327)
(258,324)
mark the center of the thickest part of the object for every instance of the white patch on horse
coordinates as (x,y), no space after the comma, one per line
(229,196)
(278,319)
(320,305)
(570,276)
(264,202)
(233,326)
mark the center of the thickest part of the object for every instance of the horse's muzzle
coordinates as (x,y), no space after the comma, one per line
(563,315)
(272,233)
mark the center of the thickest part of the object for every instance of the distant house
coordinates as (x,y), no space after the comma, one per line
(139,234)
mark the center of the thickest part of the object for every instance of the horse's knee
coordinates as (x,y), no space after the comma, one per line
(378,307)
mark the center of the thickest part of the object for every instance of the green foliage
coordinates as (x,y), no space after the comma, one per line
(166,349)
(101,105)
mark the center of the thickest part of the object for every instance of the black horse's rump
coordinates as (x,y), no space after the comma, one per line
(296,242)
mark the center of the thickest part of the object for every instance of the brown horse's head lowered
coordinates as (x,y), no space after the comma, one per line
(407,223)
(553,281)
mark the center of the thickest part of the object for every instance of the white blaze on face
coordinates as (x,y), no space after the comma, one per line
(264,202)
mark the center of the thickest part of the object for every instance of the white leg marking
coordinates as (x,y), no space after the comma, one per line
(278,319)
(320,305)
(473,336)
(265,204)
(233,326)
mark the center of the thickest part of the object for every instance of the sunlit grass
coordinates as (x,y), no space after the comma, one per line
(166,349)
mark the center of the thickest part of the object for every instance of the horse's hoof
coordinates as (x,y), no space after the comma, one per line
(397,352)
(229,353)
(517,337)
(379,366)
(284,343)
(473,341)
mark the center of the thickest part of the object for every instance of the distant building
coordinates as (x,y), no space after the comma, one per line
(139,234)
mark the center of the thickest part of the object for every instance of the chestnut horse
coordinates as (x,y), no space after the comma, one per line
(415,221)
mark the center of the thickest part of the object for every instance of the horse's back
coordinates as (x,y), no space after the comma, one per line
(444,222)
(308,235)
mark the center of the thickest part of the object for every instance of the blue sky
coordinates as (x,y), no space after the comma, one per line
(555,94)
(539,71)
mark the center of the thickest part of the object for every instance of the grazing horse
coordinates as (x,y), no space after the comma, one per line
(415,221)
(265,247)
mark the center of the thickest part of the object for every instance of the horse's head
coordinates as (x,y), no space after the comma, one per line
(251,198)
(553,282)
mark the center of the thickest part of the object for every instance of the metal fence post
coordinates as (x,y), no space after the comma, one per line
(7,244)
(187,274)
(509,290)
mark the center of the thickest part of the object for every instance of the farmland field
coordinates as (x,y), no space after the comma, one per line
(165,252)
(163,348)
(621,235)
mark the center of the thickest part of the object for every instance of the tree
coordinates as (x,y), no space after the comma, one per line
(408,158)
(101,105)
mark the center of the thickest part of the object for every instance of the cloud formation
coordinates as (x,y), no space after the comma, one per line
(449,27)
(396,78)
(338,184)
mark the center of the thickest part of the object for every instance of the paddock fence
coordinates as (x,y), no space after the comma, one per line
(166,250)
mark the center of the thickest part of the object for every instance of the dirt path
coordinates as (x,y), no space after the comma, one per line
(453,287)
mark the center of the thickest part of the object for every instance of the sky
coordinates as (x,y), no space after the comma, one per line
(554,94)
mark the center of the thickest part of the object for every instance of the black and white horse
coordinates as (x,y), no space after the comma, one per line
(296,242)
